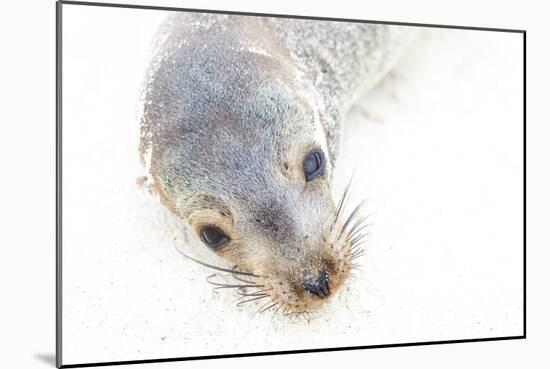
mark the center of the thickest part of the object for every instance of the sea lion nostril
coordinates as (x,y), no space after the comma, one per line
(319,285)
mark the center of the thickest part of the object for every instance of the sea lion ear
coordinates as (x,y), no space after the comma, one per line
(145,183)
(317,76)
(314,75)
(319,72)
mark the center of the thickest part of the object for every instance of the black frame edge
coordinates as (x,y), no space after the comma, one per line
(212,11)
(525,184)
(58,238)
(58,145)
(307,351)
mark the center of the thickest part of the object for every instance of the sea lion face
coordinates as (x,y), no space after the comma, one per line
(245,163)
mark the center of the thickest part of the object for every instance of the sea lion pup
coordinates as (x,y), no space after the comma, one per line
(239,133)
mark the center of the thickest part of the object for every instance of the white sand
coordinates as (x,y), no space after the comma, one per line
(437,147)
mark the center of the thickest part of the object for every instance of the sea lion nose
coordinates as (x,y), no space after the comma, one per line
(319,285)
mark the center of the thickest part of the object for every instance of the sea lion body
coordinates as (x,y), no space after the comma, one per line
(240,129)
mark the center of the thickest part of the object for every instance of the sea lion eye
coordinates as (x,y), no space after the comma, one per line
(314,164)
(213,236)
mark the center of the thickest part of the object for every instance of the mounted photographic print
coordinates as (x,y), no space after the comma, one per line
(233,184)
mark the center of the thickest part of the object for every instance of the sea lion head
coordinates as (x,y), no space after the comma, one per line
(234,144)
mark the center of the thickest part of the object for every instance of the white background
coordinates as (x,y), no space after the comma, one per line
(28,196)
(437,149)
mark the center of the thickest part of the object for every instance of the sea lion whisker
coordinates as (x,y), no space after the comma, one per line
(357,238)
(348,221)
(240,292)
(227,285)
(261,307)
(340,205)
(358,226)
(358,254)
(240,303)
(353,239)
(276,311)
(354,213)
(218,268)
(300,315)
(269,307)
(357,250)
(251,295)
(220,286)
(241,279)
(351,252)
(358,242)
(355,257)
